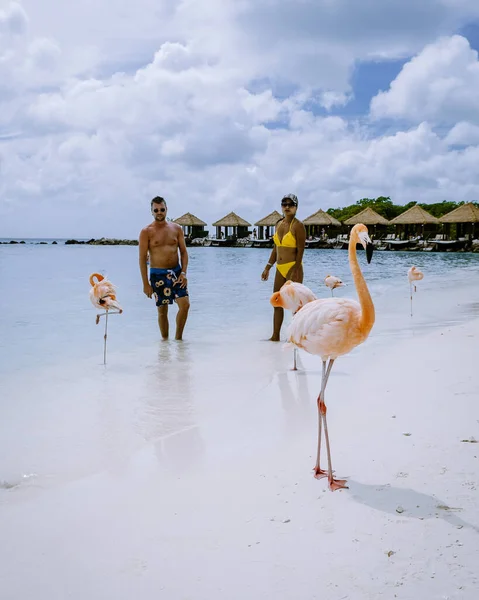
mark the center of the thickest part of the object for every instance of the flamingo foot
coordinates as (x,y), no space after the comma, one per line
(338,484)
(97,319)
(319,473)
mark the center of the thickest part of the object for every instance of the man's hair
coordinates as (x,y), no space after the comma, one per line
(158,200)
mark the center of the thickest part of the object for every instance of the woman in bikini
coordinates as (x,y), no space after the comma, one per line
(287,253)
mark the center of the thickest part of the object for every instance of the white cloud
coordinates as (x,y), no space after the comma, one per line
(440,84)
(463,134)
(331,99)
(13,19)
(217,108)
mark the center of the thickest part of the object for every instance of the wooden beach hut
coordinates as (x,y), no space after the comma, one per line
(267,224)
(368,216)
(462,222)
(234,227)
(319,220)
(414,222)
(192,226)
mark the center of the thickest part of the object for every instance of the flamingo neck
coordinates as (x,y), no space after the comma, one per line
(98,278)
(365,300)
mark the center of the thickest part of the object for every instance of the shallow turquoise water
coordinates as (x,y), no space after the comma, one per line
(46,316)
(64,415)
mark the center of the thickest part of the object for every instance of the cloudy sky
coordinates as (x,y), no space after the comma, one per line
(223,105)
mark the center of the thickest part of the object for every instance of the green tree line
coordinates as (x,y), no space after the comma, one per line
(385,207)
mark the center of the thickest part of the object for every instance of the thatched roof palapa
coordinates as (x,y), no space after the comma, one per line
(467,213)
(270,220)
(189,220)
(414,216)
(321,218)
(368,216)
(231,220)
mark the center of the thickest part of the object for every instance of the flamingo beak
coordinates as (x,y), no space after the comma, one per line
(369,251)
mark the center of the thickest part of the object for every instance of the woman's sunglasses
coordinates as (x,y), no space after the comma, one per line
(155,210)
(287,204)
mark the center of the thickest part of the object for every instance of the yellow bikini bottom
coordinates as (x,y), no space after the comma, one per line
(285,268)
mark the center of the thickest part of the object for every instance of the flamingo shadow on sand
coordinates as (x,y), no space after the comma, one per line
(406,502)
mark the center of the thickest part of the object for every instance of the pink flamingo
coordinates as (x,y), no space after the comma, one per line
(103,297)
(332,327)
(293,296)
(333,282)
(414,274)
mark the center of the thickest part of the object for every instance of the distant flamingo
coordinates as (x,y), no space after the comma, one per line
(414,274)
(292,296)
(333,282)
(103,297)
(332,327)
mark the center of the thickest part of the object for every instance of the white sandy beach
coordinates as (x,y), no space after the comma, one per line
(219,500)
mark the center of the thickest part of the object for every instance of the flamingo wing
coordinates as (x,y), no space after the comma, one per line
(103,295)
(327,327)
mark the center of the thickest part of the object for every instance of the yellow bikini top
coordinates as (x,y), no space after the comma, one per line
(288,241)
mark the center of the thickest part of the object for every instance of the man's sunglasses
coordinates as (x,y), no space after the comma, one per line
(155,210)
(288,204)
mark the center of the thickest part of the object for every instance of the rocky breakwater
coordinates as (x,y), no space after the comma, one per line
(105,242)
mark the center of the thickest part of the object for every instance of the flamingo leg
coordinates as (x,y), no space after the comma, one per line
(334,484)
(295,368)
(105,336)
(410,289)
(111,312)
(318,472)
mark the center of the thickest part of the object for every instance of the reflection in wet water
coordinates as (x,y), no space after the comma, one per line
(296,400)
(167,413)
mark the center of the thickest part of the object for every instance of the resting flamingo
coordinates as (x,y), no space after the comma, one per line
(332,327)
(103,293)
(293,296)
(103,297)
(333,282)
(414,274)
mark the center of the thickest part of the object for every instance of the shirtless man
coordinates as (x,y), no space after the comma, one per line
(162,240)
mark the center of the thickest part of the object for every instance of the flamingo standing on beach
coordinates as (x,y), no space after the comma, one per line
(332,327)
(293,296)
(414,274)
(103,297)
(333,282)
(103,294)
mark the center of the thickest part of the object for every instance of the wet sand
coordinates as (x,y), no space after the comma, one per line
(194,480)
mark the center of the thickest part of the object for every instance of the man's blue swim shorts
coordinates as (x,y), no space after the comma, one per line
(165,286)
